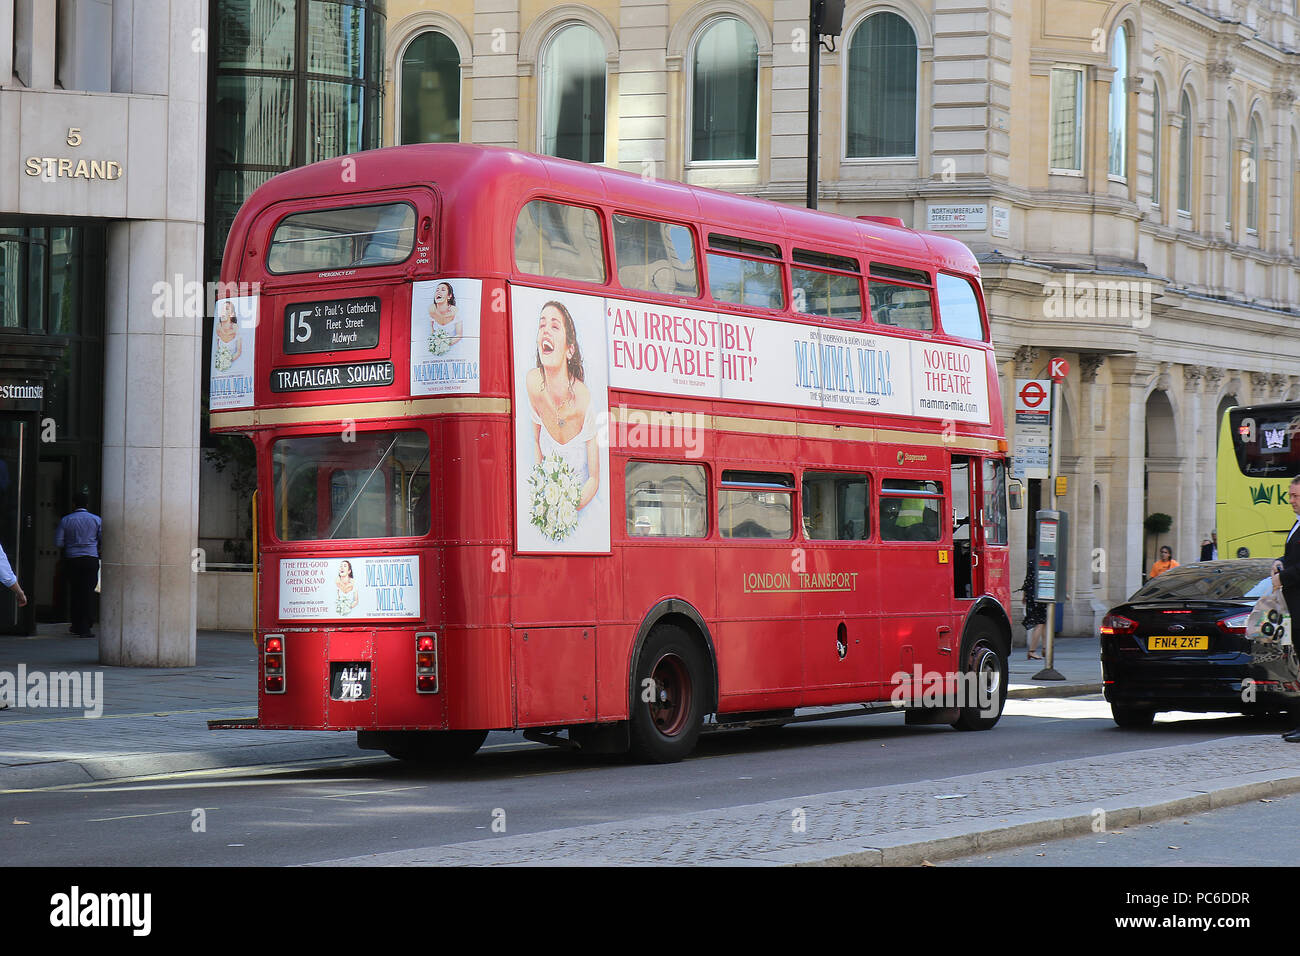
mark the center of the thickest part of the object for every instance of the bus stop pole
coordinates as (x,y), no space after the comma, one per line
(1049,671)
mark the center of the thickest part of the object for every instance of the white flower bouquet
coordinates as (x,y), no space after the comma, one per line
(343,603)
(440,342)
(555,493)
(225,357)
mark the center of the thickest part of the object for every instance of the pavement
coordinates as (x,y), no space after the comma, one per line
(154,721)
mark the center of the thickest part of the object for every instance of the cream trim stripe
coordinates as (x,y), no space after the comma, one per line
(359,411)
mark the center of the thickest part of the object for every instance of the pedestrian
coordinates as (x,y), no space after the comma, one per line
(1210,547)
(1164,564)
(10,580)
(1035,611)
(80,535)
(1286,575)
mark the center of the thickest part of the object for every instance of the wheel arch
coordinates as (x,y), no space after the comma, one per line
(684,615)
(988,607)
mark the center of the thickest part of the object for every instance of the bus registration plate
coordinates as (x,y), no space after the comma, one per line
(349,681)
(1178,642)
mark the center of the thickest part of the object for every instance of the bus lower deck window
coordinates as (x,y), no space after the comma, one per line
(910,510)
(836,506)
(756,505)
(665,500)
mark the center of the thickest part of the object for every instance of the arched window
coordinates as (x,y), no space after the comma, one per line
(572,94)
(1119,104)
(430,92)
(1157,136)
(1251,173)
(724,93)
(1230,174)
(1185,155)
(881,95)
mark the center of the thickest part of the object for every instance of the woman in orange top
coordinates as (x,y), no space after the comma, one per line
(1165,563)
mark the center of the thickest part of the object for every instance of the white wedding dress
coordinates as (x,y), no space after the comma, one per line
(574,454)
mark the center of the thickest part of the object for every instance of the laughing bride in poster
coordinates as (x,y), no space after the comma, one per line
(563,506)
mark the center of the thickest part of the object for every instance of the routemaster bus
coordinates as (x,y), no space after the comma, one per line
(1259,454)
(551,447)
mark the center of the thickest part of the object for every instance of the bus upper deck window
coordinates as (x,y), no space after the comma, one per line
(655,256)
(558,240)
(834,295)
(342,238)
(959,310)
(745,281)
(903,306)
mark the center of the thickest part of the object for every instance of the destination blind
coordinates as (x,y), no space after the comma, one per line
(332,324)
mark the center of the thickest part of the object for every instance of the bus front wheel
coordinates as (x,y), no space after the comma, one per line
(668,697)
(984,677)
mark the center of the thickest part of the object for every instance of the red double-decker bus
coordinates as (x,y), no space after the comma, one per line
(553,447)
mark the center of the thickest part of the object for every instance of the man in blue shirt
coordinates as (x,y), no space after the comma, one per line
(79,535)
(10,580)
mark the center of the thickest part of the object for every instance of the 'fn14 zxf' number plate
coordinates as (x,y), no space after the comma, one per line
(1178,642)
(349,681)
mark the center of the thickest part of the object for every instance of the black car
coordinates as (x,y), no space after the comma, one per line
(1180,643)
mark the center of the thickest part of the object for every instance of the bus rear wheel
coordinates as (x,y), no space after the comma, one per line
(668,696)
(437,746)
(984,676)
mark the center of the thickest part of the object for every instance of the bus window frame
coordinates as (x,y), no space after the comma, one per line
(782,265)
(723,484)
(872,482)
(710,519)
(942,496)
(606,245)
(257,241)
(269,503)
(858,323)
(977,288)
(936,327)
(696,256)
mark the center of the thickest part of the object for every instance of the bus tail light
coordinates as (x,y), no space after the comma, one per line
(1118,624)
(273,664)
(426,662)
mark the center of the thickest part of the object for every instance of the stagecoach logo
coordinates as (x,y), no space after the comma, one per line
(905,457)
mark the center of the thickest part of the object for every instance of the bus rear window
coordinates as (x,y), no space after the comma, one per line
(376,486)
(342,238)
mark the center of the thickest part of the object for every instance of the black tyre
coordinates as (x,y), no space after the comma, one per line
(1132,718)
(983,657)
(437,746)
(668,696)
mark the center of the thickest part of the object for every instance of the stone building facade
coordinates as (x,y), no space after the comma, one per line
(102,131)
(1126,173)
